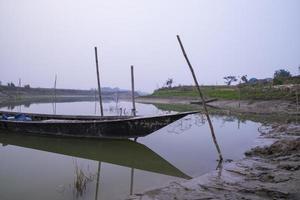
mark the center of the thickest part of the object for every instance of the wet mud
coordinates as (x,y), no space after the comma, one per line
(271,170)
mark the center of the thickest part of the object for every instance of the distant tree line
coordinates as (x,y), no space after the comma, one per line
(11,84)
(280,77)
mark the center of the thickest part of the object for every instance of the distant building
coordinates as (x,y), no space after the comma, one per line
(265,80)
(260,81)
(252,80)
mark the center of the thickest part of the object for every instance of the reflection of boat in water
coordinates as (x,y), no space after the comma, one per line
(119,152)
(89,126)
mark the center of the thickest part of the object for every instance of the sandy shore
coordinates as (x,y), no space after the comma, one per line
(266,172)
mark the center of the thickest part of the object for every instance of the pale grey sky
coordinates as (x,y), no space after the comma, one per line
(39,38)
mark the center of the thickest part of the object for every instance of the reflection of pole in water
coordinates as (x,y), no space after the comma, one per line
(239,123)
(97,183)
(131,181)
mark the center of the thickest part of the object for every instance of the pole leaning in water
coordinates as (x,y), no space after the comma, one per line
(98,80)
(202,98)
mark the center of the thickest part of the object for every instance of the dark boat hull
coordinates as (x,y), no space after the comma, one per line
(101,128)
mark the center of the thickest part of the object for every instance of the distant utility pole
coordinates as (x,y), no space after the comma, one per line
(19,93)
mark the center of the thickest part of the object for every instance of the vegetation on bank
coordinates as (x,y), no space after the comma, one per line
(282,86)
(10,91)
(230,92)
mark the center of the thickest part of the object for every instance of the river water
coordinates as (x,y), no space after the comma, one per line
(35,167)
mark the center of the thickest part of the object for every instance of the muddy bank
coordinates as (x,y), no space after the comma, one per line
(257,107)
(266,172)
(169,100)
(244,106)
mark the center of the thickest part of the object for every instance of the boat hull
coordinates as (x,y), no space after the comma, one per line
(116,128)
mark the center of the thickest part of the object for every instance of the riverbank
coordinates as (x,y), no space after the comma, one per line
(14,95)
(243,106)
(266,172)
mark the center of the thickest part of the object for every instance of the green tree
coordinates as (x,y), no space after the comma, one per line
(27,86)
(281,73)
(244,78)
(169,82)
(280,76)
(230,79)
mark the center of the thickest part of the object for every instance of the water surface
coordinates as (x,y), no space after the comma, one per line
(65,168)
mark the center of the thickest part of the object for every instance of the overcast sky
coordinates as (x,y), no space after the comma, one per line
(41,38)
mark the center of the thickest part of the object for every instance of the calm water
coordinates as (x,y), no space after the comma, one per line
(65,168)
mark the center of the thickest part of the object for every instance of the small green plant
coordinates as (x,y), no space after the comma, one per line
(81,180)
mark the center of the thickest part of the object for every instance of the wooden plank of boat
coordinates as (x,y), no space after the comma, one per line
(119,152)
(113,127)
(38,116)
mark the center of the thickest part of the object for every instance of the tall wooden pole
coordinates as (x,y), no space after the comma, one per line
(19,94)
(19,88)
(54,108)
(132,92)
(239,89)
(95,99)
(98,80)
(202,98)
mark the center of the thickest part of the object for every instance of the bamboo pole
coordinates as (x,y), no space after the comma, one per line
(202,98)
(132,92)
(95,99)
(54,106)
(19,94)
(239,94)
(98,81)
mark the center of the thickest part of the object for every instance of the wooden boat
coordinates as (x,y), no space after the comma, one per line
(90,126)
(125,153)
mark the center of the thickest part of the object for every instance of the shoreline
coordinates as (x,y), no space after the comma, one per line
(270,170)
(244,106)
